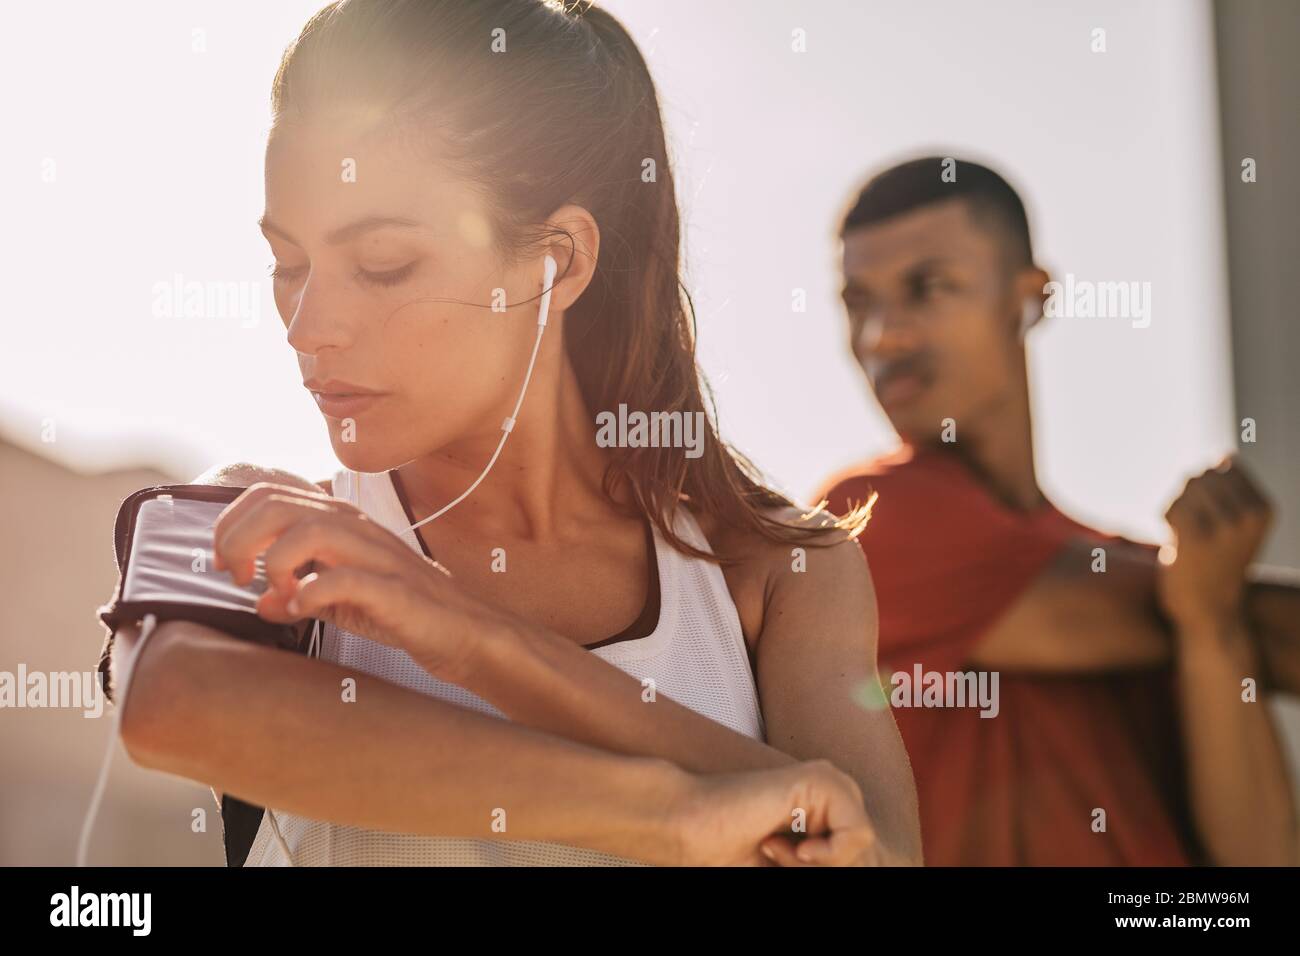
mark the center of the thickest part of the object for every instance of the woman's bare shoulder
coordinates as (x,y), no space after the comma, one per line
(760,554)
(759,565)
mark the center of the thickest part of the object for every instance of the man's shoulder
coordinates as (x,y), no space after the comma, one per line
(906,471)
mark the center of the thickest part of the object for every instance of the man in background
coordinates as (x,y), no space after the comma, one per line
(1123,733)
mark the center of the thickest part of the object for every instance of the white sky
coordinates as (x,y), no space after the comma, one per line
(157,154)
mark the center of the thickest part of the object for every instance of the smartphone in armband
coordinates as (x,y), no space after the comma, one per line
(163,542)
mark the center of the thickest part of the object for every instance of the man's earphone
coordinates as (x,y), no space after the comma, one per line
(1030,312)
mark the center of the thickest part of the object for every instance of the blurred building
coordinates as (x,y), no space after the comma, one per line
(58,567)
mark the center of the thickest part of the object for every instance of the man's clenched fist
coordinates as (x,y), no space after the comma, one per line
(1219,522)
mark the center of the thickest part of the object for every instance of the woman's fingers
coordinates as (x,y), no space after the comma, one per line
(327,540)
(321,593)
(253,496)
(271,606)
(849,846)
(811,815)
(781,851)
(853,846)
(240,536)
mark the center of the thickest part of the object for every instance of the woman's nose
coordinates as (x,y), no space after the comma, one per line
(319,320)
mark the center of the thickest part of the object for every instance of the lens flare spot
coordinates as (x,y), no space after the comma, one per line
(474,229)
(870,694)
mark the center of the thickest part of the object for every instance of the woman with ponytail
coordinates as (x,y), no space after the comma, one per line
(476,239)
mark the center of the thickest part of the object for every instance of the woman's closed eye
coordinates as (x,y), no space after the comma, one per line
(389,277)
(283,272)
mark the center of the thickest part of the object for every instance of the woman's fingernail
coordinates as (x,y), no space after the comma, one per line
(768,852)
(292,606)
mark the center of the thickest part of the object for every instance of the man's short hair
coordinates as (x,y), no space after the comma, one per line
(921,182)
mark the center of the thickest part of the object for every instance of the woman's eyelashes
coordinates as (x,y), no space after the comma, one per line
(390,277)
(386,278)
(286,273)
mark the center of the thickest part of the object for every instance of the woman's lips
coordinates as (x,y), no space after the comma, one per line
(345,404)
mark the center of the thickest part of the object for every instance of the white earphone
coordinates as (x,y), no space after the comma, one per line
(1030,313)
(507,426)
(83,844)
(548,279)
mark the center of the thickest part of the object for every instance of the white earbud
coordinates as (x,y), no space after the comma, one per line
(88,825)
(543,312)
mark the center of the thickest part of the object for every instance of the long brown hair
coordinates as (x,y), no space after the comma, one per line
(542,104)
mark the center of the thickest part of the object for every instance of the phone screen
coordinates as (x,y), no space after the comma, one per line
(171,557)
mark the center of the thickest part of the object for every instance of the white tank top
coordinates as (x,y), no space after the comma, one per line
(696,655)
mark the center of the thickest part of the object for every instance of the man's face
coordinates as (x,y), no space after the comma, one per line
(933,317)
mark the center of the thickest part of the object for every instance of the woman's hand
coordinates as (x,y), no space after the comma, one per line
(360,576)
(807,814)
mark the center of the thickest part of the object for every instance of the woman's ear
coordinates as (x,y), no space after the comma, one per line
(575,246)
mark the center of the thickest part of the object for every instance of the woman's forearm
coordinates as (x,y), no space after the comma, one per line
(277,730)
(547,682)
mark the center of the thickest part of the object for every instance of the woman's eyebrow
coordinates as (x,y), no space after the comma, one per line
(344,233)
